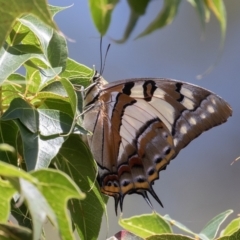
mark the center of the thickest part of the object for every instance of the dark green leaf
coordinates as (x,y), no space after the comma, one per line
(14,232)
(21,214)
(26,48)
(20,109)
(132,22)
(8,135)
(17,37)
(57,51)
(54,122)
(165,17)
(69,88)
(38,151)
(76,160)
(139,7)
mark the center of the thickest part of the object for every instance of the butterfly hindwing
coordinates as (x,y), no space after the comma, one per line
(139,125)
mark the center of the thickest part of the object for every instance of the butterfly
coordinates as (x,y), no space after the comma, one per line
(139,125)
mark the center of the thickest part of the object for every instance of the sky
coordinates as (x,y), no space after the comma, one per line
(200,183)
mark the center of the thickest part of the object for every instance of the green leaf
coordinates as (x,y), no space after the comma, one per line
(46,193)
(132,22)
(212,227)
(38,151)
(41,31)
(54,90)
(179,225)
(101,11)
(6,147)
(165,17)
(9,171)
(218,9)
(170,237)
(138,7)
(8,135)
(234,236)
(17,36)
(14,232)
(75,159)
(8,190)
(12,88)
(35,126)
(57,51)
(146,225)
(27,115)
(69,88)
(58,188)
(48,75)
(202,10)
(12,9)
(231,228)
(56,9)
(78,73)
(53,122)
(37,204)
(11,59)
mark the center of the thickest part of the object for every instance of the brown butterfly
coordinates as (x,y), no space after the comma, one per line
(139,125)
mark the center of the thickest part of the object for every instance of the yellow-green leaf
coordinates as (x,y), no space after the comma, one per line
(10,10)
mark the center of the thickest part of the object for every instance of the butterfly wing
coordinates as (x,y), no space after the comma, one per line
(139,125)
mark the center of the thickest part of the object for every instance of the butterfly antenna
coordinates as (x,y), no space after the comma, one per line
(105,57)
(101,61)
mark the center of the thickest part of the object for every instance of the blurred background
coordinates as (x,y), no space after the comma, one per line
(200,183)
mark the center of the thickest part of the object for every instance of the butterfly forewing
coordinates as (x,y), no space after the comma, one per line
(139,125)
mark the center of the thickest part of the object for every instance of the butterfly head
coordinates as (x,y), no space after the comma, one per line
(93,91)
(98,79)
